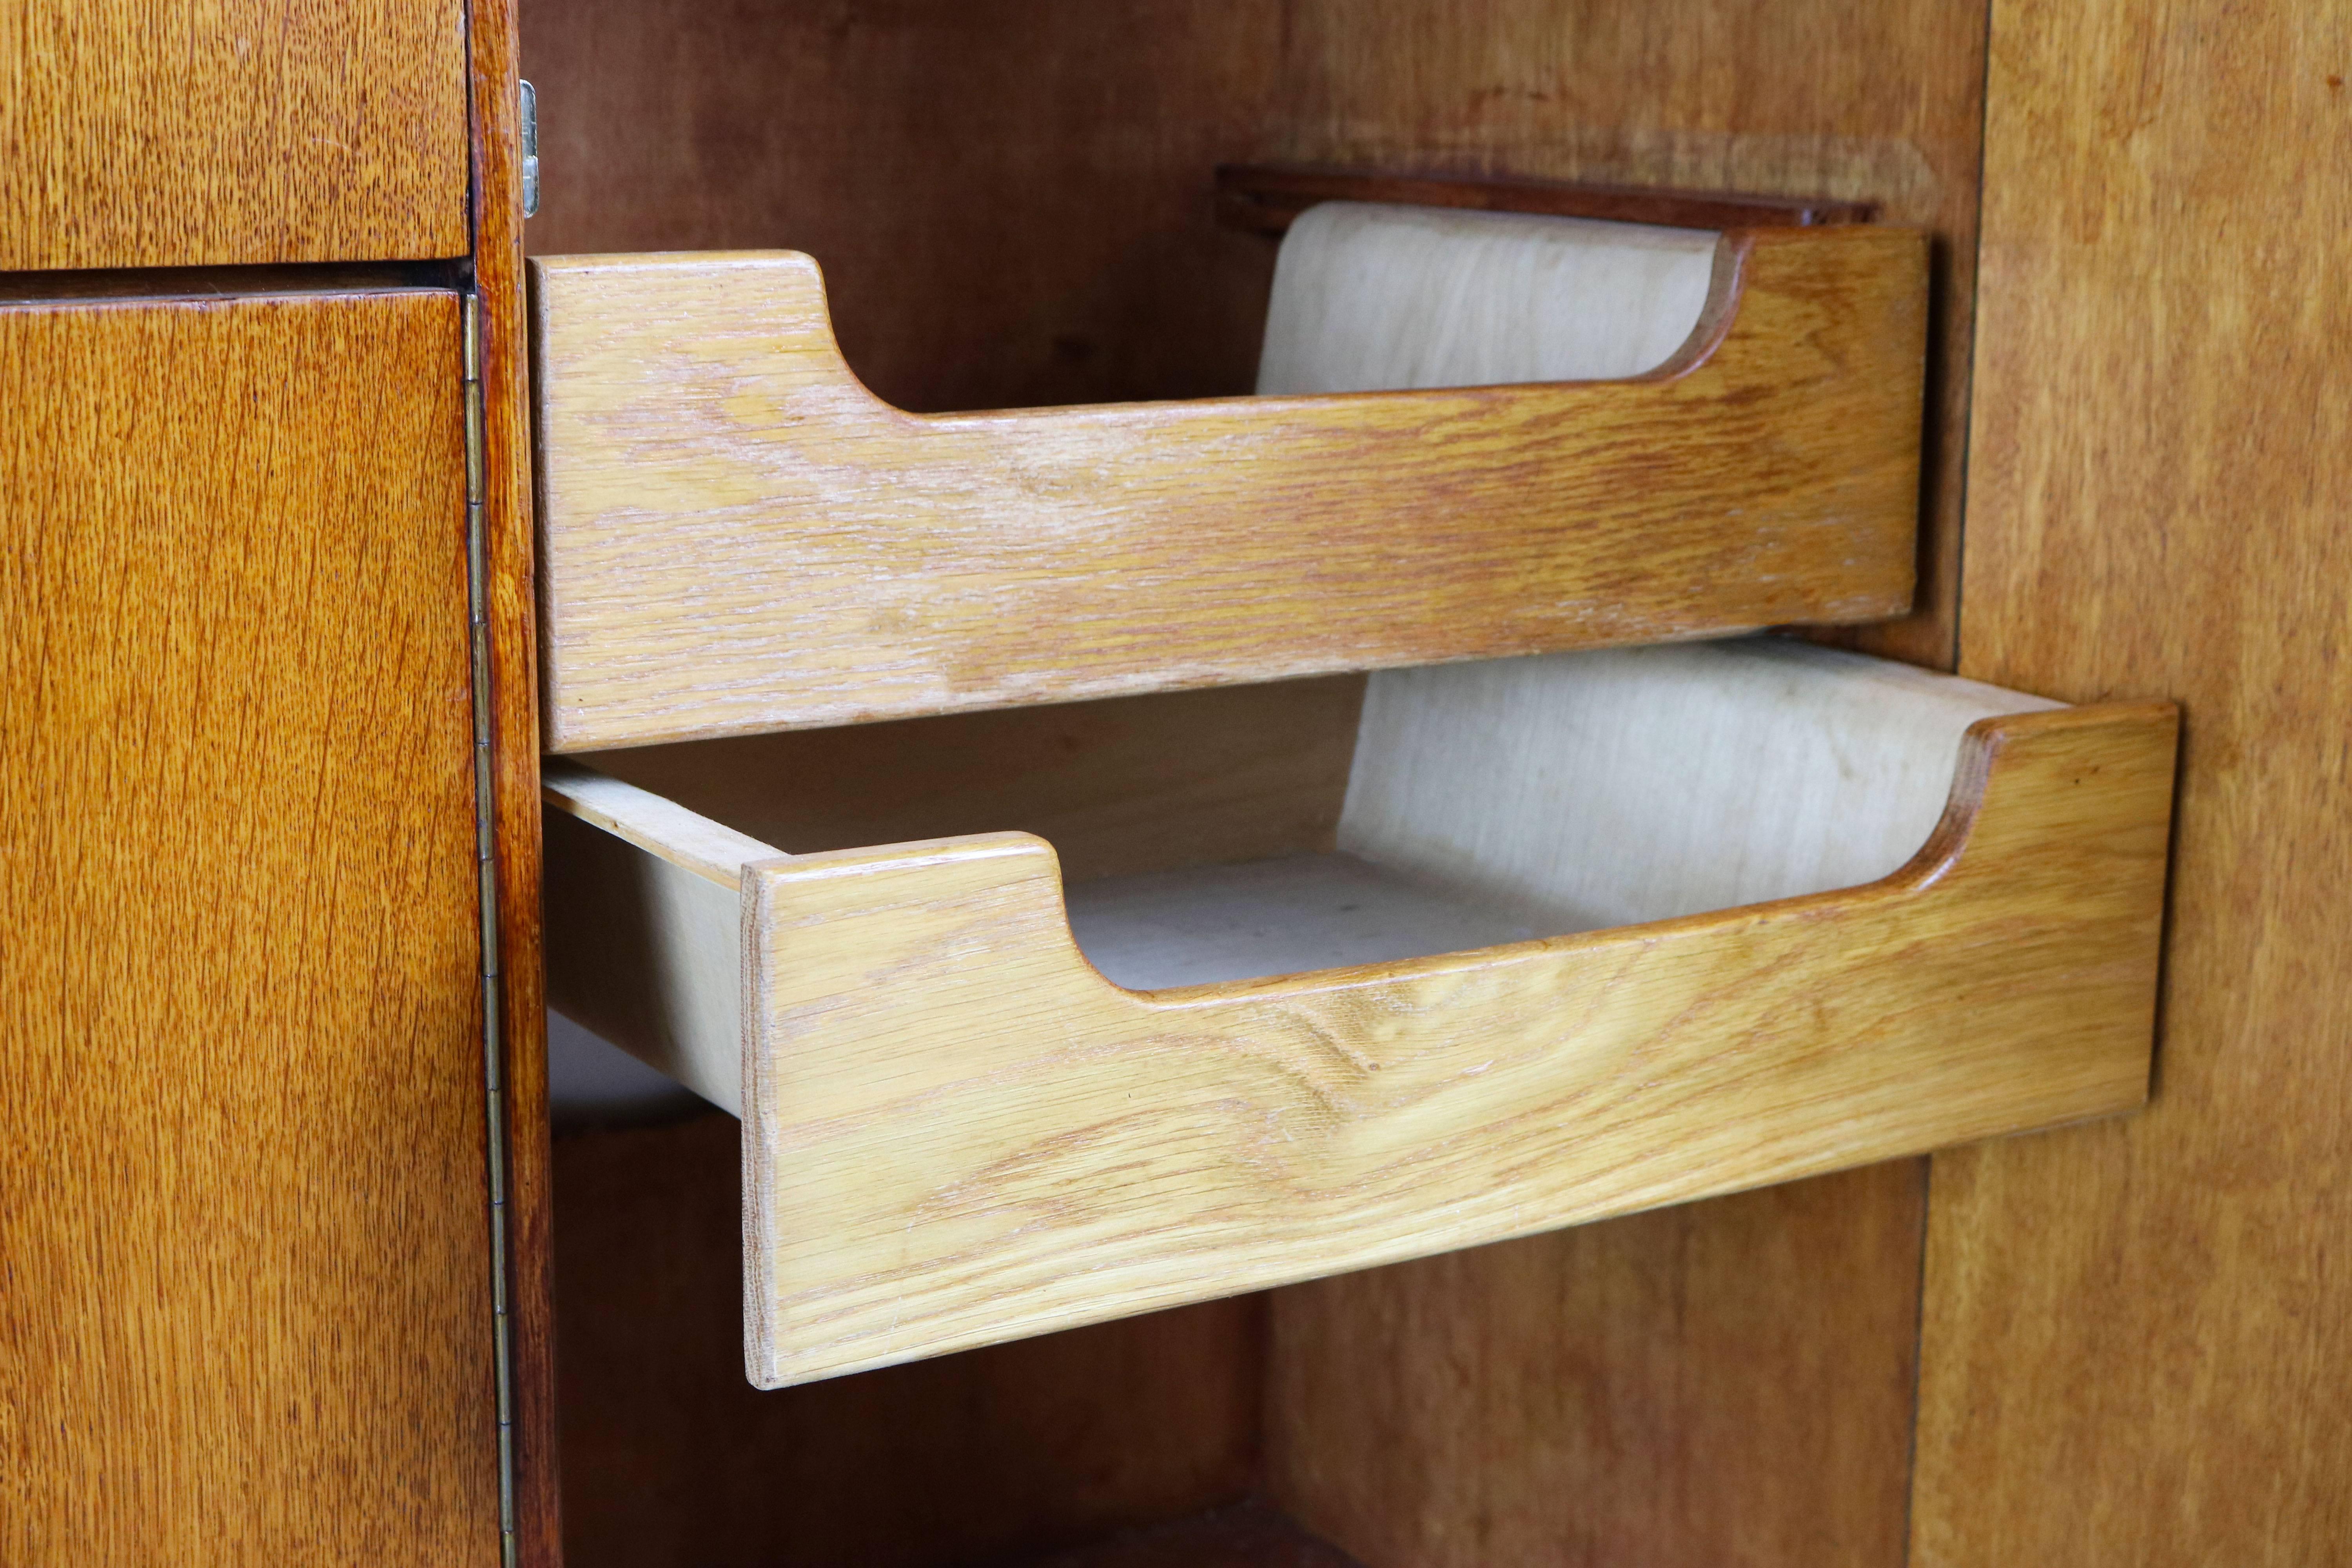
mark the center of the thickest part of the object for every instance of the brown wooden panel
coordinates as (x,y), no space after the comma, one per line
(2136,1348)
(246,1315)
(159,133)
(1570,1400)
(670,1457)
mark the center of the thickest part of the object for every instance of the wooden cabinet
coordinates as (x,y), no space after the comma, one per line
(248,1311)
(251,1272)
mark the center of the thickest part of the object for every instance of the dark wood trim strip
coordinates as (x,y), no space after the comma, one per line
(514,699)
(1265,199)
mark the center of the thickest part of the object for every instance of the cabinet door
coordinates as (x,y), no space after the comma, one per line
(246,1315)
(159,134)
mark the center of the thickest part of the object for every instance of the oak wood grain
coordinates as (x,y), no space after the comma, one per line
(149,133)
(2136,1344)
(947,1139)
(242,1209)
(511,606)
(672,1461)
(740,537)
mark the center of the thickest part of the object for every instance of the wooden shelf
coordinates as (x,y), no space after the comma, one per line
(739,537)
(1791,911)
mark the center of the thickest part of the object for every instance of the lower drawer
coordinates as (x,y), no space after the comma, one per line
(1597,932)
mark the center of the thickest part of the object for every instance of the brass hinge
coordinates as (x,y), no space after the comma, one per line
(477,599)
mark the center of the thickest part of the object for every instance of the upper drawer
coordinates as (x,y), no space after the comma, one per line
(236,132)
(739,537)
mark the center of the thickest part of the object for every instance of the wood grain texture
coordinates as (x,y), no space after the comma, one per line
(510,604)
(1565,1400)
(1848,1005)
(2135,1348)
(1051,235)
(148,133)
(740,537)
(672,1461)
(1267,199)
(246,1316)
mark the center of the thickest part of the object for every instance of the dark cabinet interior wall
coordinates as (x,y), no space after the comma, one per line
(245,1307)
(1013,203)
(671,1460)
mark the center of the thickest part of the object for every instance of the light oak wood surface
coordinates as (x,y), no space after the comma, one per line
(1407,1109)
(247,1311)
(2136,1348)
(740,537)
(1395,1111)
(155,134)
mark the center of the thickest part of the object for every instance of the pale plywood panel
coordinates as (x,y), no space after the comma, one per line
(242,1197)
(2135,1349)
(1371,298)
(151,133)
(1610,787)
(739,537)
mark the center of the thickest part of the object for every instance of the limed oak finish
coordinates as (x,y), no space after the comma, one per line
(999,1141)
(246,1309)
(159,134)
(740,537)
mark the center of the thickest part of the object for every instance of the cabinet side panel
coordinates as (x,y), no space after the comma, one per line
(2135,1348)
(242,1211)
(155,134)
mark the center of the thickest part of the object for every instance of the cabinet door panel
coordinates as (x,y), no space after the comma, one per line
(246,1315)
(159,133)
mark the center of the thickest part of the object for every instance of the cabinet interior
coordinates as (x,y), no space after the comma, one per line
(1013,202)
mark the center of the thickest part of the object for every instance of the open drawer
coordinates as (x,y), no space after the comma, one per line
(1723,434)
(1596,931)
